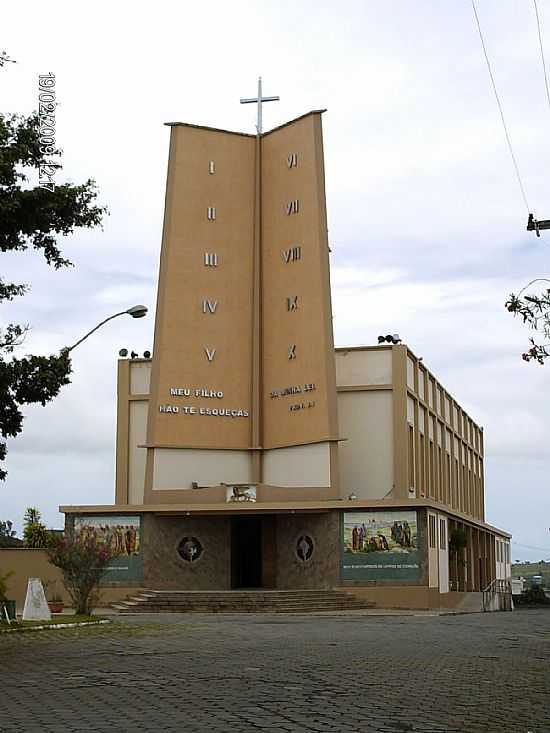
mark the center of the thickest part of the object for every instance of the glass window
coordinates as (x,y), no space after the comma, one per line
(431,527)
(421,383)
(410,373)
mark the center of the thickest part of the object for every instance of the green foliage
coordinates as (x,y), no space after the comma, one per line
(32,217)
(6,529)
(8,536)
(4,585)
(534,310)
(35,533)
(458,540)
(83,563)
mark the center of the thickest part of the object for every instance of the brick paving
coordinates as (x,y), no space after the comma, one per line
(474,673)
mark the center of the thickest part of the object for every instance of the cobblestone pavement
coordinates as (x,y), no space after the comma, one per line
(482,672)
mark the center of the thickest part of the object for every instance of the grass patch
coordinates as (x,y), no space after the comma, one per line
(56,621)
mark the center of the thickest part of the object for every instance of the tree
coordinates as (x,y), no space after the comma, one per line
(83,562)
(8,536)
(33,218)
(35,533)
(534,310)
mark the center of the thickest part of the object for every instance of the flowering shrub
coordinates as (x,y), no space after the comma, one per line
(83,562)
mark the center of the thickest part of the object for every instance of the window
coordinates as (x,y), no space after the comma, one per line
(442,534)
(421,383)
(410,373)
(431,478)
(422,477)
(411,457)
(431,529)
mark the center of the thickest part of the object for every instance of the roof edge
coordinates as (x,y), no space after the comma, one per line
(243,134)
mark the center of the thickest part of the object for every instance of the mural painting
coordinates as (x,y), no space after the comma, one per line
(380,546)
(123,535)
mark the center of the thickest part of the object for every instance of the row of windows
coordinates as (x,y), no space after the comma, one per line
(420,381)
(503,551)
(432,532)
(433,473)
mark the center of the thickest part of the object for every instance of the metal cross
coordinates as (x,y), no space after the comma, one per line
(259,100)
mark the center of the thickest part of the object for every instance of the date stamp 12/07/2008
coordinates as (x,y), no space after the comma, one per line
(46,132)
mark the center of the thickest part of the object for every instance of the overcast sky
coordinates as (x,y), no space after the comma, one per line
(427,224)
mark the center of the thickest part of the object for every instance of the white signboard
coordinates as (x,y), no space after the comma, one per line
(36,606)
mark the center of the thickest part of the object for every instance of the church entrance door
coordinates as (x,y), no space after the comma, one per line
(246,552)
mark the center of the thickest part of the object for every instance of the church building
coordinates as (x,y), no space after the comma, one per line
(253,454)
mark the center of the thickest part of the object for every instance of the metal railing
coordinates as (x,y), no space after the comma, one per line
(498,596)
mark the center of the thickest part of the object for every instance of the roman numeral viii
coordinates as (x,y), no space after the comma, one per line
(292,254)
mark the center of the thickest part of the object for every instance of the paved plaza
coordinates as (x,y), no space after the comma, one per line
(481,672)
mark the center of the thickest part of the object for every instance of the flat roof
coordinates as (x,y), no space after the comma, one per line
(268,507)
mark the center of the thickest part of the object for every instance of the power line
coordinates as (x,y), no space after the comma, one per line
(508,139)
(542,53)
(530,547)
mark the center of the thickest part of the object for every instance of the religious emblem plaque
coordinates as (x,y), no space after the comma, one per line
(190,549)
(304,547)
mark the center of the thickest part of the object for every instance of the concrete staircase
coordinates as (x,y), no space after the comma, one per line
(240,601)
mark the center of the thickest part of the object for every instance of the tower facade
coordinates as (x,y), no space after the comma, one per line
(243,386)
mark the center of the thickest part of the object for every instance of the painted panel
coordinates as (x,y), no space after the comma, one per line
(304,465)
(363,367)
(366,454)
(140,377)
(178,469)
(123,535)
(380,546)
(137,456)
(442,533)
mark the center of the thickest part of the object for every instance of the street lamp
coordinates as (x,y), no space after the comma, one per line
(136,311)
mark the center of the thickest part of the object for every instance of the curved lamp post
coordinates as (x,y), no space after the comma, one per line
(136,311)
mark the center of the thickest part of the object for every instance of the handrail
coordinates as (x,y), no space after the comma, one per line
(496,586)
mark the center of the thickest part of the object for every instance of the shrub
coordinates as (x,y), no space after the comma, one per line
(83,562)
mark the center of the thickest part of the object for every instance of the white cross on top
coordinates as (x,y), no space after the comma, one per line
(259,100)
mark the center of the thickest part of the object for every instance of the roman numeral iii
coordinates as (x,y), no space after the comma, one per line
(210,259)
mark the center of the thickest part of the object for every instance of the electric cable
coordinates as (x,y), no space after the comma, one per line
(542,53)
(507,134)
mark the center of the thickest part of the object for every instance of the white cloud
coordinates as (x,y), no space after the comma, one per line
(427,225)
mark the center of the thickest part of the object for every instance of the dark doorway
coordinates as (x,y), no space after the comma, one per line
(246,552)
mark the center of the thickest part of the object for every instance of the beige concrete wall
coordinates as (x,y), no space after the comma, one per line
(433,552)
(366,453)
(183,330)
(309,325)
(137,455)
(356,368)
(29,563)
(140,377)
(304,465)
(177,469)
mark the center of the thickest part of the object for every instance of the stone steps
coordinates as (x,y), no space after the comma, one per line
(306,601)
